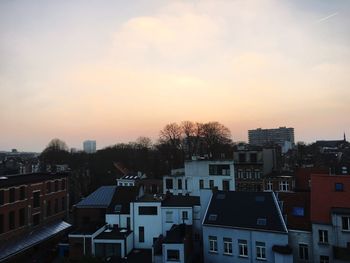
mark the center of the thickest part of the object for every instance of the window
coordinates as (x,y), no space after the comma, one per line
(63,184)
(48,187)
(168,216)
(148,210)
(22,193)
(227,246)
(63,202)
(22,214)
(201,184)
(212,217)
(213,244)
(242,248)
(303,252)
(36,199)
(253,158)
(225,185)
(173,255)
(169,183)
(56,206)
(56,185)
(2,228)
(184,215)
(36,219)
(185,184)
(179,184)
(261,221)
(323,236)
(141,234)
(12,220)
(339,187)
(219,169)
(2,197)
(260,250)
(284,186)
(211,184)
(12,195)
(269,186)
(241,157)
(298,211)
(324,259)
(345,223)
(48,208)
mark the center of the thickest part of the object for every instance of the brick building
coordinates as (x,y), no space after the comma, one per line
(33,203)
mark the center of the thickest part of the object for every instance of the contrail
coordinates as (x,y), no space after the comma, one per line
(326,18)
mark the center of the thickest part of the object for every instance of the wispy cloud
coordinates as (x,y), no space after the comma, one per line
(326,18)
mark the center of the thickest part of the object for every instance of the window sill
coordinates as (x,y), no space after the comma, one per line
(323,243)
(261,259)
(213,252)
(241,256)
(228,254)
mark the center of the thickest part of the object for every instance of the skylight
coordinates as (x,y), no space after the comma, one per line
(261,221)
(260,198)
(117,208)
(212,217)
(220,196)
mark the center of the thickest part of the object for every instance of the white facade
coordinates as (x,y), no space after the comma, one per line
(198,175)
(89,146)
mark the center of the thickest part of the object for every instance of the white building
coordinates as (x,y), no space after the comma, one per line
(89,146)
(200,174)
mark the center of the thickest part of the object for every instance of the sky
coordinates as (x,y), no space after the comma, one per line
(116,70)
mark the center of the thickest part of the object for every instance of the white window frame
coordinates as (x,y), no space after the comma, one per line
(269,186)
(213,244)
(169,217)
(227,245)
(302,249)
(260,250)
(284,186)
(243,248)
(322,234)
(347,226)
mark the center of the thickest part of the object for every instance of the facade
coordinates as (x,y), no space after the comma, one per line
(330,218)
(31,203)
(282,136)
(279,182)
(200,174)
(245,227)
(89,146)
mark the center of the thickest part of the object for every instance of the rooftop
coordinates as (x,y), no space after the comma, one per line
(101,198)
(114,233)
(17,179)
(177,234)
(246,210)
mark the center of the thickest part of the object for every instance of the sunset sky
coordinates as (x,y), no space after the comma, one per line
(115,70)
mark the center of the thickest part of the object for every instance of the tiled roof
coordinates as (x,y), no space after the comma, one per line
(101,198)
(247,210)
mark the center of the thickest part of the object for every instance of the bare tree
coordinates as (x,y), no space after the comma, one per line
(57,144)
(144,142)
(172,135)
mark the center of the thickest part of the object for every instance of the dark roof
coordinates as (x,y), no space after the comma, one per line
(87,229)
(122,198)
(114,233)
(17,245)
(177,234)
(18,179)
(296,208)
(180,201)
(285,250)
(329,143)
(247,210)
(101,198)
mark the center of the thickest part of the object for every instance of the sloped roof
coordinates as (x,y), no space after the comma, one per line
(246,210)
(124,195)
(37,236)
(101,198)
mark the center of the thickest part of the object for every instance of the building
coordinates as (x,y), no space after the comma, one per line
(281,136)
(89,146)
(200,174)
(31,203)
(245,227)
(279,182)
(251,164)
(330,218)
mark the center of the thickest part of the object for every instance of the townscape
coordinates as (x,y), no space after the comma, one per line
(268,200)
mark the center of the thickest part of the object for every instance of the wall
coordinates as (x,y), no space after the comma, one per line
(179,247)
(269,238)
(297,237)
(177,217)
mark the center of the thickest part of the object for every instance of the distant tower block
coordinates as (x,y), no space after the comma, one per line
(89,146)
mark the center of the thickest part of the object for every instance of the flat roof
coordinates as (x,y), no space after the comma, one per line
(18,179)
(114,233)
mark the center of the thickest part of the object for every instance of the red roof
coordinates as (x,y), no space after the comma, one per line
(324,196)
